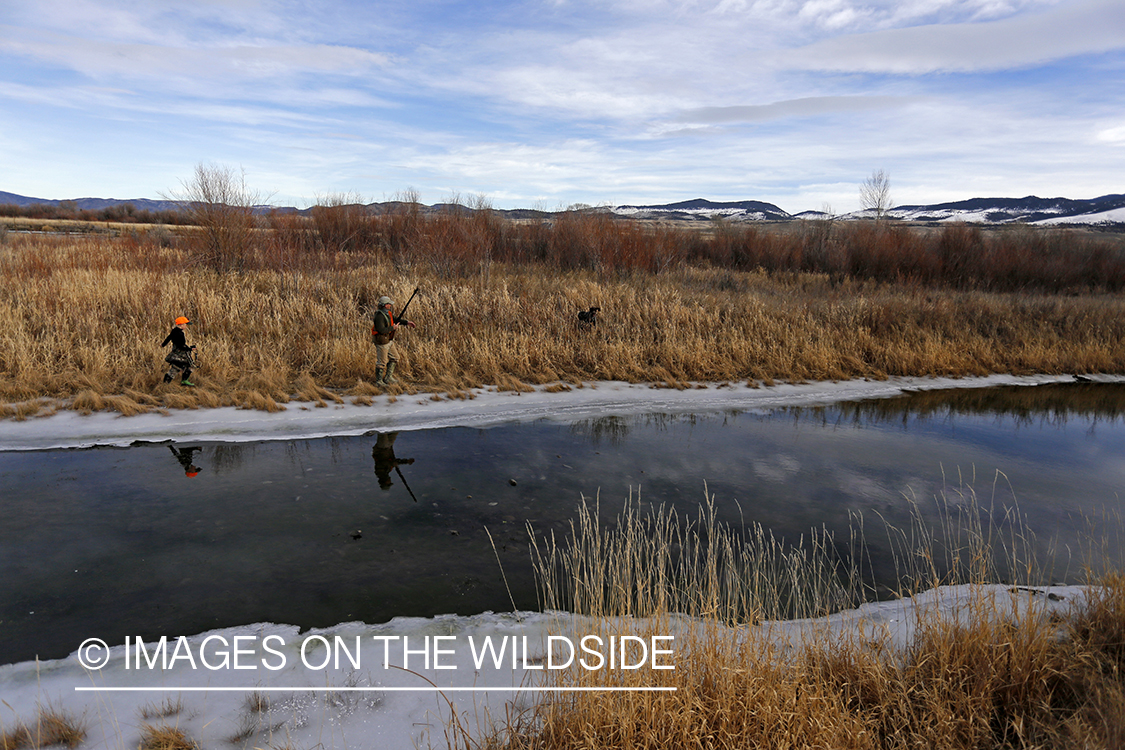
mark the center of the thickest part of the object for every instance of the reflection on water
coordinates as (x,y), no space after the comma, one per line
(383,454)
(186,458)
(114,542)
(1048,405)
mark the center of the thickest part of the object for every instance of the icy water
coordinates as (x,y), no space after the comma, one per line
(110,542)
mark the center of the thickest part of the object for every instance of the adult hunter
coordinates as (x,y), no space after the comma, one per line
(383,327)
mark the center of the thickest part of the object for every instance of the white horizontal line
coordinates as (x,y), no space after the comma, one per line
(377,689)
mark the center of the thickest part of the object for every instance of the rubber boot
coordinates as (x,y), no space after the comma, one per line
(187,383)
(389,378)
(167,378)
(379,377)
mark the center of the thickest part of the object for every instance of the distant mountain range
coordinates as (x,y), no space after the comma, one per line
(88,204)
(1106,210)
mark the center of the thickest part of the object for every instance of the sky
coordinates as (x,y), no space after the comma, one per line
(549,103)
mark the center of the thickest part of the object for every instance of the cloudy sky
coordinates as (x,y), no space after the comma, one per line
(546,103)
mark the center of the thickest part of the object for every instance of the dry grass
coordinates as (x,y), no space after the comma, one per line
(51,728)
(81,319)
(654,563)
(164,737)
(167,707)
(997,672)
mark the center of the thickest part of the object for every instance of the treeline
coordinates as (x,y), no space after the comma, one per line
(124,213)
(459,243)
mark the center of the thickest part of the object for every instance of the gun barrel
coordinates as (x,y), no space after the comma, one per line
(402,313)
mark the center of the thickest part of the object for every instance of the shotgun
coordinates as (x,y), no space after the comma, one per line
(402,314)
(404,484)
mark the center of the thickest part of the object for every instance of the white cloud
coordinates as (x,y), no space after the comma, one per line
(100,59)
(1112,135)
(832,14)
(806,107)
(1066,31)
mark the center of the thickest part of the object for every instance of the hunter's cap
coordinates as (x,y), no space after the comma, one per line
(182,321)
(385,301)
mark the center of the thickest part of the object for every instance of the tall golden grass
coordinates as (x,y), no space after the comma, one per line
(81,320)
(997,671)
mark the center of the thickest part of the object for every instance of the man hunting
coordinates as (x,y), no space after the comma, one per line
(383,327)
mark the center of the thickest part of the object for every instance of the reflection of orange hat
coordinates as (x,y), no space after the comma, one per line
(180,321)
(192,471)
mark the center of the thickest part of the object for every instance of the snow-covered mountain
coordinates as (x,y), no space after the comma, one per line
(701,208)
(1106,210)
(1029,210)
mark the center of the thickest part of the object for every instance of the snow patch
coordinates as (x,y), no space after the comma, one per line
(488,408)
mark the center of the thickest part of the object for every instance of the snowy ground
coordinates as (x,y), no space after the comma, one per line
(368,701)
(489,408)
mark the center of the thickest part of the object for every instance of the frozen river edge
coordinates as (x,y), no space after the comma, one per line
(486,408)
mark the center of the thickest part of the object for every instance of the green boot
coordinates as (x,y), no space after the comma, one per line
(390,373)
(379,377)
(187,383)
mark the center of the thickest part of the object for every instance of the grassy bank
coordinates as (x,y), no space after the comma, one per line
(81,320)
(998,670)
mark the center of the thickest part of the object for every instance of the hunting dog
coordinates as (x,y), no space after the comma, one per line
(589,318)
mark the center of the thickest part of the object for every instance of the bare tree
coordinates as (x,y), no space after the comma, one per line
(222,207)
(340,220)
(875,193)
(819,239)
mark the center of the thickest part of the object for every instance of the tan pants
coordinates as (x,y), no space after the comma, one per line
(385,353)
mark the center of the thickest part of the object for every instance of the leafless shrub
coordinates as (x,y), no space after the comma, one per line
(221,206)
(341,222)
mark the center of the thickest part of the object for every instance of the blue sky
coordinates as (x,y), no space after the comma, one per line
(546,103)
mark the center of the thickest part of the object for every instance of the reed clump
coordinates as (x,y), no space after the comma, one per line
(165,737)
(498,306)
(51,728)
(1001,669)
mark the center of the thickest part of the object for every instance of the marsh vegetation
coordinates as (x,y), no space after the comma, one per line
(281,309)
(998,670)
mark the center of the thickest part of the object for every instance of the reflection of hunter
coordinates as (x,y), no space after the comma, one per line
(383,326)
(184,456)
(385,462)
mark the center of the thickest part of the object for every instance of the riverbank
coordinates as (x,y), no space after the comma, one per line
(288,692)
(480,407)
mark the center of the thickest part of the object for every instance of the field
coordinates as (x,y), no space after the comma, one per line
(281,306)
